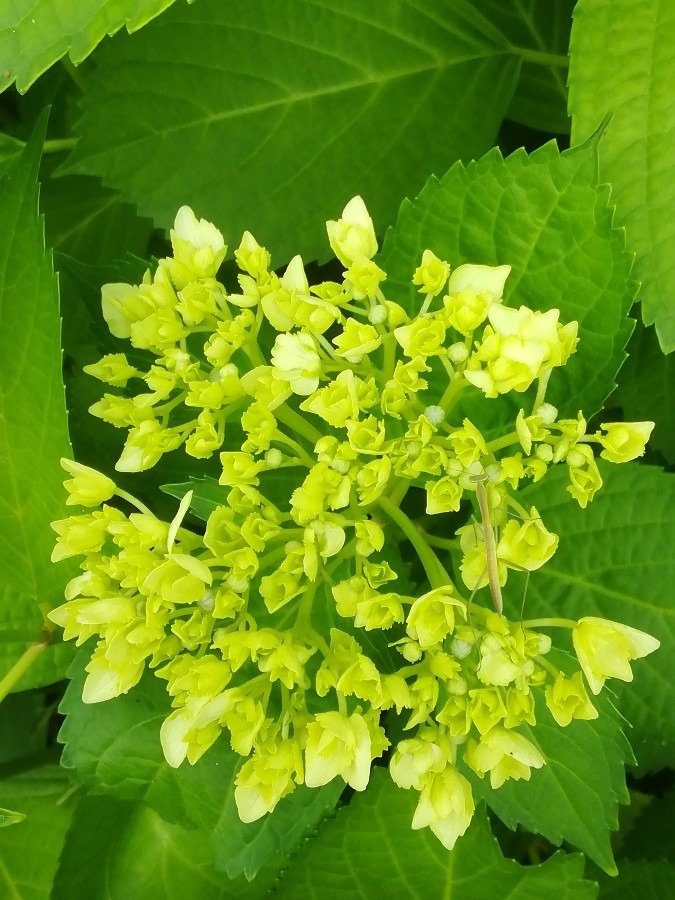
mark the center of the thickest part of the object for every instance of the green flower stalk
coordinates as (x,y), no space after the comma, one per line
(327,404)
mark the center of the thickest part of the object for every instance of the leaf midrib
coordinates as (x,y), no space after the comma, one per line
(281,102)
(609,592)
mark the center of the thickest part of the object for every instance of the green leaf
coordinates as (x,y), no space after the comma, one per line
(622,63)
(33,426)
(277,486)
(646,389)
(544,215)
(125,851)
(34,34)
(313,102)
(542,30)
(30,850)
(207,494)
(640,879)
(113,748)
(615,560)
(91,223)
(10,148)
(575,796)
(650,835)
(369,851)
(24,719)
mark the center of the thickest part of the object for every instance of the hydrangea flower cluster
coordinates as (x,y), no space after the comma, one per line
(328,404)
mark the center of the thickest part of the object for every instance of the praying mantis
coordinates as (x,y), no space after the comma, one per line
(490,543)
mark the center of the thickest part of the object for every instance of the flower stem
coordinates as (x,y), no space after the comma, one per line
(399,490)
(58,145)
(442,543)
(282,438)
(296,423)
(389,364)
(542,384)
(303,621)
(541,58)
(123,495)
(548,666)
(436,573)
(20,667)
(455,388)
(505,441)
(551,623)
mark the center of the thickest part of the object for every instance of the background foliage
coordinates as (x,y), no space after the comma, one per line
(270,116)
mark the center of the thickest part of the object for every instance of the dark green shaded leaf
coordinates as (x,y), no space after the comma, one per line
(646,390)
(542,29)
(640,880)
(651,836)
(23,725)
(207,494)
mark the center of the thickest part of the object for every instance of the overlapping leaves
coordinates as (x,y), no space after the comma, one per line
(544,216)
(34,34)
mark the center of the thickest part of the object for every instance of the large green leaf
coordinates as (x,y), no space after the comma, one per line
(543,215)
(125,851)
(575,796)
(90,222)
(646,390)
(30,850)
(114,748)
(270,116)
(543,28)
(33,429)
(615,560)
(622,62)
(650,835)
(34,34)
(369,851)
(640,880)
